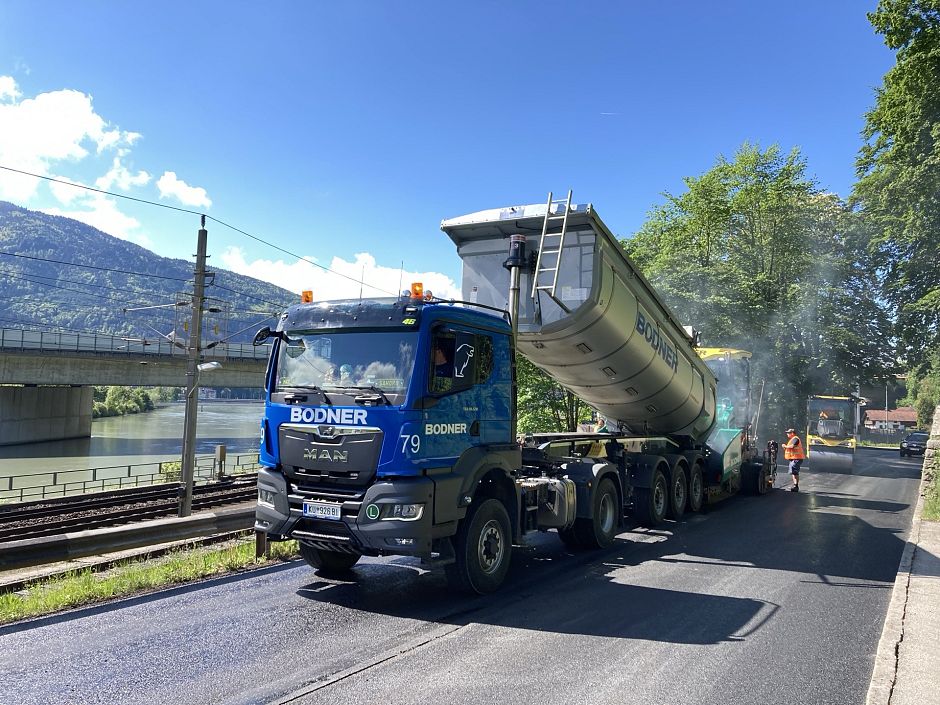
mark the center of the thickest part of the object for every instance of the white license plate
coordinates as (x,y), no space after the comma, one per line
(322,510)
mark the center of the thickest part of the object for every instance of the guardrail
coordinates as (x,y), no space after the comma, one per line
(23,488)
(63,547)
(19,339)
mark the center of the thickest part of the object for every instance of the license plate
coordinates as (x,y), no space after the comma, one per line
(323,510)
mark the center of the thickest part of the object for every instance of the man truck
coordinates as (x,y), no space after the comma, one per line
(414,450)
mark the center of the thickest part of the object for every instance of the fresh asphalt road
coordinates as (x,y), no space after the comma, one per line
(774,599)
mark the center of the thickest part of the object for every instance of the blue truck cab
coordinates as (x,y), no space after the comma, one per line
(381,417)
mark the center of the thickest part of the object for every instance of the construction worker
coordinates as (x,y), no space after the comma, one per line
(793,451)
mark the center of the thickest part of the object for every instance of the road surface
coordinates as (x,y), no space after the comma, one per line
(774,599)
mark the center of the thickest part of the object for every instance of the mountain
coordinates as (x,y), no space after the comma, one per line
(38,291)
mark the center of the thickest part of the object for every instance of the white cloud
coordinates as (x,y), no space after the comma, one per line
(172,186)
(300,275)
(8,88)
(122,178)
(102,212)
(56,126)
(64,194)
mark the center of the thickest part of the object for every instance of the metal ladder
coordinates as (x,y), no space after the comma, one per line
(548,241)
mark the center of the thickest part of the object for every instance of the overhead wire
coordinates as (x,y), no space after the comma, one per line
(209,217)
(91,266)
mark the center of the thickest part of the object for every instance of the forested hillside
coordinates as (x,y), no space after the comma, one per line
(41,287)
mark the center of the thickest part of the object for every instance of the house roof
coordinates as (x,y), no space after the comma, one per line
(903,414)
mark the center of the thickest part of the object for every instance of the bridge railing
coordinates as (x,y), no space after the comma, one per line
(25,488)
(19,339)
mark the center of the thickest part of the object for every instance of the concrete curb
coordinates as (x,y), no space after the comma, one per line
(884,675)
(885,672)
(65,547)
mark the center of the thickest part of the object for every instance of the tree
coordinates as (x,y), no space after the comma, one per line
(899,172)
(758,257)
(543,404)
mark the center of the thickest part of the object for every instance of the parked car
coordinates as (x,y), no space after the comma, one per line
(914,443)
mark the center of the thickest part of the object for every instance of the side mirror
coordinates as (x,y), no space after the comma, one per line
(261,336)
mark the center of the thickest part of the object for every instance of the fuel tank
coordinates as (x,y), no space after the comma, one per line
(604,334)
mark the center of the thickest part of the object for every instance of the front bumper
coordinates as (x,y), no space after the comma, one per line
(354,531)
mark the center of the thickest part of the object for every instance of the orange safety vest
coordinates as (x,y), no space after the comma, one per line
(794,452)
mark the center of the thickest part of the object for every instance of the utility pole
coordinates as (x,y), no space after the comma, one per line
(193,351)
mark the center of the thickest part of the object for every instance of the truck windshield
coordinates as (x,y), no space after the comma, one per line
(382,360)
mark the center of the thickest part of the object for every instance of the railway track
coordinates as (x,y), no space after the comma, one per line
(83,512)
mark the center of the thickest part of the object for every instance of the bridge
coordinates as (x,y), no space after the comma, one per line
(47,376)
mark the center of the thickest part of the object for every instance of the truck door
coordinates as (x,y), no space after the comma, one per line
(471,407)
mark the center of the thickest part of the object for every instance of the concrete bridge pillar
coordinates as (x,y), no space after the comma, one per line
(32,414)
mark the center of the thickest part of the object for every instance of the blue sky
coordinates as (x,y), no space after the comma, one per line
(345,132)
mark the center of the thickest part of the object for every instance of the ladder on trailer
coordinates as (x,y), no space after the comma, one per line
(551,245)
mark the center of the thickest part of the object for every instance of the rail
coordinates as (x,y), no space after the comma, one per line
(61,483)
(19,339)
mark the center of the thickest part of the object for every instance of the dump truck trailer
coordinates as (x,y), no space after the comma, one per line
(390,424)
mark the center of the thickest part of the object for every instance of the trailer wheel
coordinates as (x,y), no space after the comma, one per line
(483,546)
(678,494)
(328,561)
(599,532)
(651,502)
(696,488)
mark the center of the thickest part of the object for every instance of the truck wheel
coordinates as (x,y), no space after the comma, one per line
(599,532)
(696,488)
(678,494)
(483,546)
(651,502)
(328,561)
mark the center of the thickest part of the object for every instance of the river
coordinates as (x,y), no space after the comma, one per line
(140,438)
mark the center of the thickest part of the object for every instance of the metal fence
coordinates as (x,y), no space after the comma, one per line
(24,488)
(874,435)
(18,339)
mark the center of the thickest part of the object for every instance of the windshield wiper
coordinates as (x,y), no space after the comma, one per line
(368,388)
(312,388)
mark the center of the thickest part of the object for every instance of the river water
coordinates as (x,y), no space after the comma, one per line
(154,436)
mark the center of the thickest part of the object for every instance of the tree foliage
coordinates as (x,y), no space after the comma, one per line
(543,404)
(899,177)
(117,401)
(758,258)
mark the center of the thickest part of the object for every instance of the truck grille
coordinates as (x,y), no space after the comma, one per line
(329,456)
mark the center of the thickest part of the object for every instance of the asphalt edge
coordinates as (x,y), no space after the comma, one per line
(884,674)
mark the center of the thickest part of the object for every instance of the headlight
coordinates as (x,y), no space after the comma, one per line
(904,445)
(266,497)
(396,512)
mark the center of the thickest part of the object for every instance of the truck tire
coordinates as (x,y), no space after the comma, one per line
(599,531)
(327,562)
(678,494)
(696,488)
(482,547)
(651,502)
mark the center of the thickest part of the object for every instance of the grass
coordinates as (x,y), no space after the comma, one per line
(84,587)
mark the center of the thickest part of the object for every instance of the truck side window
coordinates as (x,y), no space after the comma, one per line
(454,361)
(484,358)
